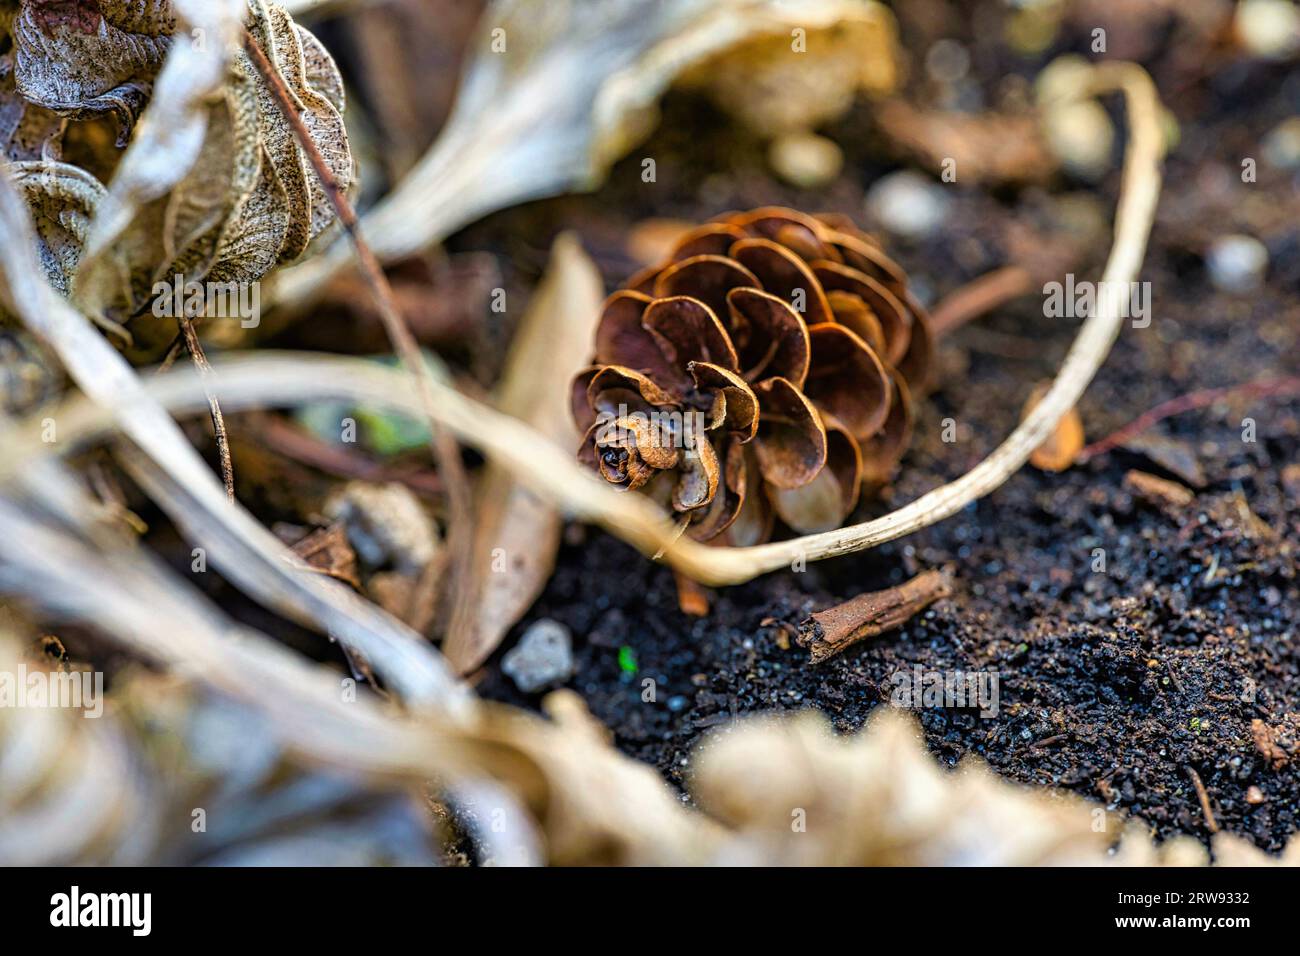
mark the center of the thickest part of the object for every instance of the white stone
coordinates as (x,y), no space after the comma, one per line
(908,204)
(1237,263)
(543,657)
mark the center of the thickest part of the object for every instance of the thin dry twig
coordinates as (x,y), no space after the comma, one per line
(1204,797)
(1204,398)
(445,450)
(195,348)
(977,297)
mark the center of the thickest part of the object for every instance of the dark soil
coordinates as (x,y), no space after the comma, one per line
(1117,684)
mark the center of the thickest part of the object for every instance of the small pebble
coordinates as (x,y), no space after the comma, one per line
(1081,134)
(1281,145)
(543,657)
(947,61)
(1237,263)
(386,524)
(908,204)
(1254,795)
(1268,28)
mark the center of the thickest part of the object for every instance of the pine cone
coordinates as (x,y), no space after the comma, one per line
(765,370)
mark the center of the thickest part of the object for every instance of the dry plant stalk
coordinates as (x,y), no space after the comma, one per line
(646,528)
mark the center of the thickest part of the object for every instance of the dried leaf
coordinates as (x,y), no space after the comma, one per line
(769,84)
(80,59)
(213,187)
(327,550)
(555,92)
(878,799)
(829,632)
(1062,447)
(186,488)
(516,532)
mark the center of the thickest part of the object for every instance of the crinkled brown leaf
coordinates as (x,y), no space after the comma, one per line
(214,186)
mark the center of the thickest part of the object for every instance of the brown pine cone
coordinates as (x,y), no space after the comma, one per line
(765,370)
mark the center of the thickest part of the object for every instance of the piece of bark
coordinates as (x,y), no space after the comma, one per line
(829,632)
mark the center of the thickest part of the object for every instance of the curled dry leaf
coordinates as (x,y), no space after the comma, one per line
(879,800)
(1065,442)
(516,532)
(214,187)
(779,82)
(830,632)
(555,92)
(119,790)
(758,370)
(328,551)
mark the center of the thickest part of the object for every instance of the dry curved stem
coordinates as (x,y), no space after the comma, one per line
(552,472)
(977,297)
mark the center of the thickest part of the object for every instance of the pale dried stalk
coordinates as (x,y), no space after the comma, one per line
(554,473)
(1134,216)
